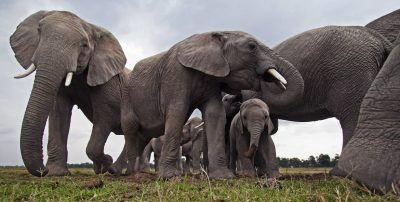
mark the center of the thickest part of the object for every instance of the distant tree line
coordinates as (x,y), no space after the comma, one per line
(323,160)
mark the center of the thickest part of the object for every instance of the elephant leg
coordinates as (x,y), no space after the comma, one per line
(232,154)
(186,165)
(372,157)
(245,165)
(145,158)
(170,150)
(130,129)
(214,119)
(267,157)
(95,148)
(59,123)
(157,161)
(120,164)
(142,143)
(196,153)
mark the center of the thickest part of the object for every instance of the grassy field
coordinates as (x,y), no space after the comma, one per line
(300,184)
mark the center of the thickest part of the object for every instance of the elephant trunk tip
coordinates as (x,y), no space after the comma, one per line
(39,172)
(251,152)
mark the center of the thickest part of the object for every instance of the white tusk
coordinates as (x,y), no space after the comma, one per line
(278,76)
(281,85)
(69,78)
(202,123)
(26,73)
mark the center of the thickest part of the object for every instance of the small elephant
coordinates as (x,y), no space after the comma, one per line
(163,90)
(250,139)
(76,63)
(196,147)
(192,138)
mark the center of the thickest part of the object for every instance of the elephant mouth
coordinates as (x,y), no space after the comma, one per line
(271,75)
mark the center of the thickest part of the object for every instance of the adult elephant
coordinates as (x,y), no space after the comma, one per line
(76,63)
(163,90)
(338,64)
(372,156)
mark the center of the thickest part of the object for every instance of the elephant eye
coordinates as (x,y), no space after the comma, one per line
(252,46)
(84,45)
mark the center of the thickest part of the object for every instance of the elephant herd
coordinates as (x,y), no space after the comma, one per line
(241,86)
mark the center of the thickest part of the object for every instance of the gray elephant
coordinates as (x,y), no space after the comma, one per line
(372,157)
(338,64)
(163,90)
(250,139)
(192,144)
(76,63)
(194,149)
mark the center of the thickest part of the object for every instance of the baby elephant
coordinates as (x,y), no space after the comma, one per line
(251,145)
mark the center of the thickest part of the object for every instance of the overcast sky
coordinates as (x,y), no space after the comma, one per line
(145,28)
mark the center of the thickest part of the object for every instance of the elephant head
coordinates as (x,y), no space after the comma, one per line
(241,62)
(372,156)
(58,44)
(254,117)
(192,130)
(232,104)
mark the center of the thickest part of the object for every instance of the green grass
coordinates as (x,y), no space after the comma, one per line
(83,184)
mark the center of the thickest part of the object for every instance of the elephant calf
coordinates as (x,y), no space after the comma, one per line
(192,150)
(251,145)
(193,143)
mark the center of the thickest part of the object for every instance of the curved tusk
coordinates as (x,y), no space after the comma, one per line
(69,78)
(281,85)
(26,73)
(278,76)
(196,127)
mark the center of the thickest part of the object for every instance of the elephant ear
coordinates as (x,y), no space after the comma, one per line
(270,126)
(204,53)
(25,39)
(108,58)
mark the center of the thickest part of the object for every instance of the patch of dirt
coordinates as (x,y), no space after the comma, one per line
(94,184)
(317,176)
(143,177)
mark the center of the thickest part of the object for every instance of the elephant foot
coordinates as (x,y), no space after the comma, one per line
(104,166)
(220,173)
(196,172)
(246,173)
(337,172)
(57,170)
(117,168)
(169,172)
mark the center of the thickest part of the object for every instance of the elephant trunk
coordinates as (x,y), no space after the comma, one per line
(255,130)
(43,94)
(279,100)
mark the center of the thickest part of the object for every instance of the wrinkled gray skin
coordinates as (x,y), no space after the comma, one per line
(58,42)
(372,157)
(193,149)
(250,139)
(163,90)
